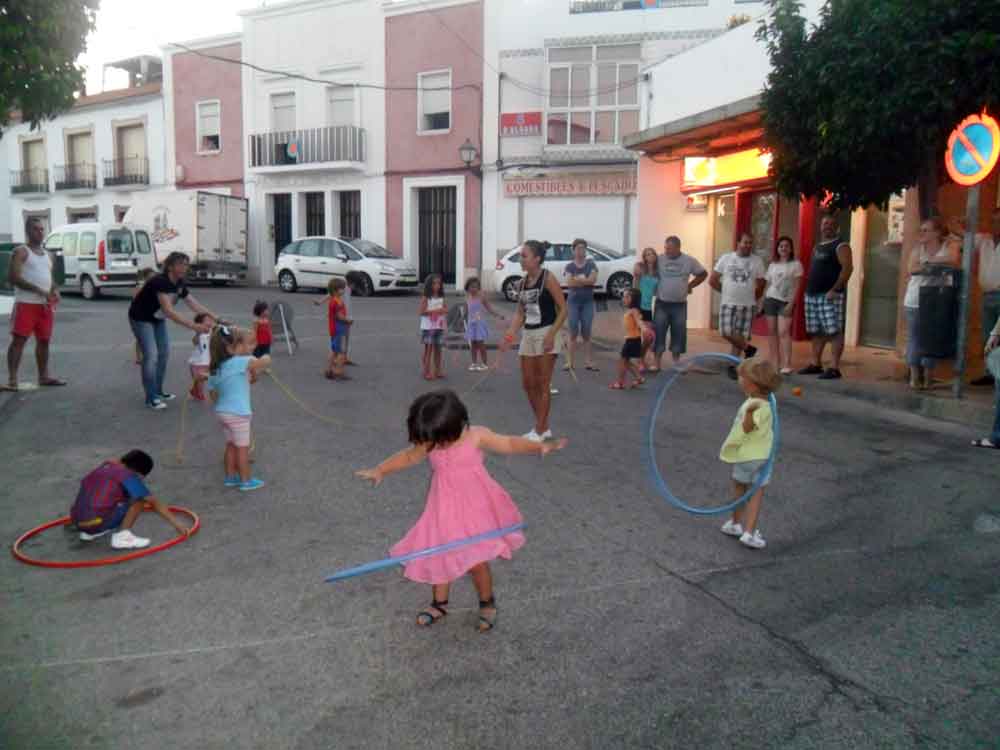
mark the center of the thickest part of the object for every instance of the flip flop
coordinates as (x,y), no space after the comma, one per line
(616,386)
(984,443)
(51,382)
(592,368)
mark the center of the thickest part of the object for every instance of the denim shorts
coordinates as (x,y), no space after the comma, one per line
(337,344)
(431,337)
(747,472)
(113,521)
(581,317)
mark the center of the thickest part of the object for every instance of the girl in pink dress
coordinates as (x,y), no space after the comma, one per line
(463,501)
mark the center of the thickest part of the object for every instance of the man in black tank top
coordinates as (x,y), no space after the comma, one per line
(825,301)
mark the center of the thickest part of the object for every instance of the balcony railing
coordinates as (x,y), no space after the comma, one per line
(344,143)
(29,181)
(132,170)
(76,177)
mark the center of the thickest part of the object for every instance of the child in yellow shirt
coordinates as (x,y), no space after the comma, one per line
(748,446)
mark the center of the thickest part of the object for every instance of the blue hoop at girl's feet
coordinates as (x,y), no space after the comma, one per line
(391,561)
(661,484)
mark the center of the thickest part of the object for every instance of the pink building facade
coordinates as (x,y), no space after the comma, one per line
(204,106)
(433,198)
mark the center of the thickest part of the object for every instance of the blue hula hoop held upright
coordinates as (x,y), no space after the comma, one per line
(660,483)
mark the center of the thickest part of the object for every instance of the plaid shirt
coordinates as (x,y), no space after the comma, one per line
(102,489)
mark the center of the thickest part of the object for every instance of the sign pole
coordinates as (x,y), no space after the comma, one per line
(968,248)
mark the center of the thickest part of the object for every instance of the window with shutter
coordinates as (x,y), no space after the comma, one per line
(209,126)
(283,112)
(340,105)
(435,101)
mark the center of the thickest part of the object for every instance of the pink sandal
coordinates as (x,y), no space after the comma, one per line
(617,386)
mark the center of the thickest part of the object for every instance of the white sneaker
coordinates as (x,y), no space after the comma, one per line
(731,529)
(483,368)
(85,537)
(754,541)
(554,391)
(547,435)
(532,436)
(125,539)
(473,367)
(157,405)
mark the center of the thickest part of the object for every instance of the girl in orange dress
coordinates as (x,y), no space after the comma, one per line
(632,348)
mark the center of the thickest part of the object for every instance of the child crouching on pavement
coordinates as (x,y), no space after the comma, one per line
(112,496)
(748,447)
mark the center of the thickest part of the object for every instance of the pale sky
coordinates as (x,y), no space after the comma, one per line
(131,27)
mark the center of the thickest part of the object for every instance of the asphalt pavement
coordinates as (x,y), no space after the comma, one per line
(869,621)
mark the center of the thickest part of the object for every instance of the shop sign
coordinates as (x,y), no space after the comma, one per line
(617,184)
(731,169)
(513,124)
(605,6)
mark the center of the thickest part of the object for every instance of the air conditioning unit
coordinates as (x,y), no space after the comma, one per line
(286,153)
(281,154)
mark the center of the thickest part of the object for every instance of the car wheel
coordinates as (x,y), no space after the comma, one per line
(363,285)
(511,288)
(88,289)
(618,284)
(287,282)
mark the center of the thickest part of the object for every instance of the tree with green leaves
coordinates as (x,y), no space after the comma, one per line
(40,41)
(861,105)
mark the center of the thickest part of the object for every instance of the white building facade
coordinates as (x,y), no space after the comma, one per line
(314,151)
(566,81)
(86,164)
(5,233)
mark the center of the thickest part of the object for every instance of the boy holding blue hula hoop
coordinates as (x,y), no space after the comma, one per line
(748,446)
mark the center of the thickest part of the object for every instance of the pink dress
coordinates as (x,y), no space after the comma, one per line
(463,501)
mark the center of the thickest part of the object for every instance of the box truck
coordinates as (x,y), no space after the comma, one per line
(211,228)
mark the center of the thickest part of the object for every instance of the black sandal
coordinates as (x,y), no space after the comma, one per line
(426,617)
(487,623)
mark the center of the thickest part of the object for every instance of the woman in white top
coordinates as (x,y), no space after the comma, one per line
(783,277)
(930,249)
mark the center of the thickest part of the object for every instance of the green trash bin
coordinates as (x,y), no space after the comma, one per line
(7,251)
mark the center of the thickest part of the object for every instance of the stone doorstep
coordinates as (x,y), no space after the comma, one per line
(975,409)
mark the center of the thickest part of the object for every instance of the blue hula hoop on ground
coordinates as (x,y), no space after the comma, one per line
(389,562)
(654,470)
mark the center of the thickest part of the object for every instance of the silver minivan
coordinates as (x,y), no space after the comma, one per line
(99,256)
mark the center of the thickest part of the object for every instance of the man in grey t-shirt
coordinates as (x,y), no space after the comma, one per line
(678,275)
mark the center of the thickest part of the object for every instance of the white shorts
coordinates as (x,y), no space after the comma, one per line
(533,342)
(748,472)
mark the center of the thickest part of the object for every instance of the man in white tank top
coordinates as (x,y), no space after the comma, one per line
(35,297)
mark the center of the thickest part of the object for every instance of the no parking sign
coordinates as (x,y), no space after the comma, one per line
(973,149)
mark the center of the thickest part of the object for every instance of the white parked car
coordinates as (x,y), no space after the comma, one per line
(312,261)
(100,256)
(614,269)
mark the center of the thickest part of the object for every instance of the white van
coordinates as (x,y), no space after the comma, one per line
(98,256)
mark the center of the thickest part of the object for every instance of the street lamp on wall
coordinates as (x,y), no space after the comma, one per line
(468,152)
